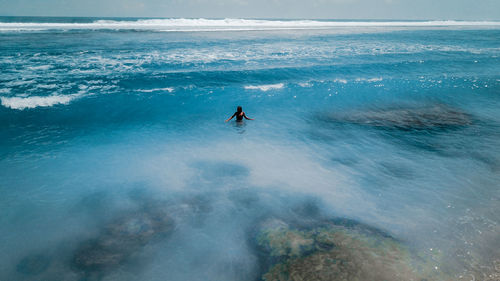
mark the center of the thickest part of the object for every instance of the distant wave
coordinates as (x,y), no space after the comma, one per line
(376,79)
(40,67)
(305,84)
(168,89)
(340,80)
(265,88)
(228,24)
(21,103)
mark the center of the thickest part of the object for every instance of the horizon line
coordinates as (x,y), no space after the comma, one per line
(251,18)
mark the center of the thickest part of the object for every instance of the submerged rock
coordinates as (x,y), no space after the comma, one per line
(330,251)
(120,240)
(33,265)
(406,118)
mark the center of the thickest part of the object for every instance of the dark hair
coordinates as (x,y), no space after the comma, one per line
(239,109)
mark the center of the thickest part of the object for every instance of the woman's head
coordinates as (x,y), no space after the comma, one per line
(239,109)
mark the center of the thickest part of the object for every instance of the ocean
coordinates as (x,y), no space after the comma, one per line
(374,153)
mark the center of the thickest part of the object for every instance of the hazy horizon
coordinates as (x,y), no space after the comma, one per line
(246,18)
(260,9)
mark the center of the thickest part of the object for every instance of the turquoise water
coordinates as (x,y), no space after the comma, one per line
(395,125)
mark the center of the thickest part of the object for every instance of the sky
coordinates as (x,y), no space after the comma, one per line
(306,9)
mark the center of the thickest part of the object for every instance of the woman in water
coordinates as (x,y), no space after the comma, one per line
(239,115)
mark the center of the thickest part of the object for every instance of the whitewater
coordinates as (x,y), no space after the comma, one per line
(374,153)
(201,24)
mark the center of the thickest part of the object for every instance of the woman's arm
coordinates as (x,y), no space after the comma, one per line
(244,115)
(230,117)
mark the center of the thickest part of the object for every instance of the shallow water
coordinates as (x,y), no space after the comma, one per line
(395,128)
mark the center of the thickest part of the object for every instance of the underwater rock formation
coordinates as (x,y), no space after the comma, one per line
(406,118)
(120,240)
(330,251)
(33,265)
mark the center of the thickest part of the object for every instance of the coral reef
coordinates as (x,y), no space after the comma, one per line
(329,251)
(437,116)
(120,240)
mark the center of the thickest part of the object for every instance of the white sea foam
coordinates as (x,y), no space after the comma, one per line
(201,24)
(47,86)
(339,80)
(265,88)
(168,89)
(5,91)
(21,103)
(40,67)
(305,85)
(376,79)
(15,83)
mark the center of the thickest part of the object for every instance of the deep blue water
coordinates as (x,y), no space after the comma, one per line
(395,127)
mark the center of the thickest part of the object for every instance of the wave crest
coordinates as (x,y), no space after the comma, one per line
(21,103)
(202,24)
(168,89)
(265,88)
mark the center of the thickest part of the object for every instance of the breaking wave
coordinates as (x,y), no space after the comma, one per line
(201,24)
(168,89)
(340,80)
(265,88)
(371,80)
(21,103)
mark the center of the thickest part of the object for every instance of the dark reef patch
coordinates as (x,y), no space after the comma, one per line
(431,117)
(220,169)
(33,264)
(435,128)
(246,198)
(120,240)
